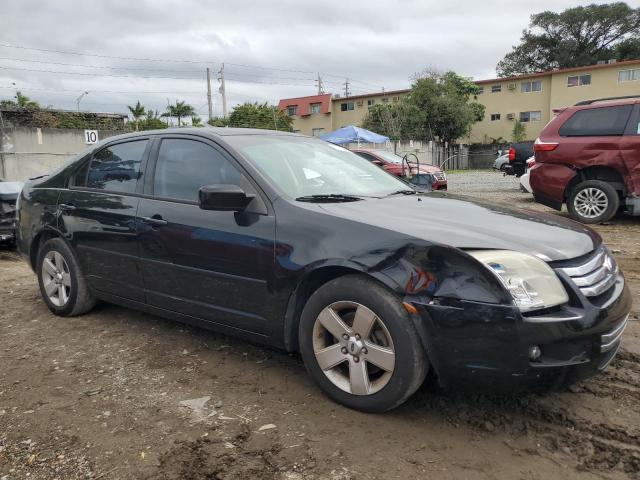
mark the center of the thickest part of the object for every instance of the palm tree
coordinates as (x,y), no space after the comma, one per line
(182,109)
(196,121)
(137,111)
(25,102)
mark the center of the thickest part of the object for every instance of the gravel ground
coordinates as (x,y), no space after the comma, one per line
(124,395)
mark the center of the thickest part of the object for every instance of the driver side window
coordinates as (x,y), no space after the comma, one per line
(183,166)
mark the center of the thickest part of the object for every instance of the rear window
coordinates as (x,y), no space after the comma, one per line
(117,167)
(595,122)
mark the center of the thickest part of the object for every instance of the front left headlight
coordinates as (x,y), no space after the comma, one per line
(530,281)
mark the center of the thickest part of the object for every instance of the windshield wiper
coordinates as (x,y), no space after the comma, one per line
(329,197)
(403,192)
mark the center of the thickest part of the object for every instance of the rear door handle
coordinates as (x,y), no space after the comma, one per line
(66,207)
(156,220)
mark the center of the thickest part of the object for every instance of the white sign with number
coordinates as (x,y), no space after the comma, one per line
(90,137)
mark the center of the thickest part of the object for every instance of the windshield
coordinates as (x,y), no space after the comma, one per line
(389,156)
(302,167)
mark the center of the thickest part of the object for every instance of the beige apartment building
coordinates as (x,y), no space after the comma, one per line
(528,98)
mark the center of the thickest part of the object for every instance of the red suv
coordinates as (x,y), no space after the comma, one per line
(393,163)
(588,157)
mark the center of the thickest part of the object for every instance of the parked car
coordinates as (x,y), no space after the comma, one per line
(393,163)
(9,192)
(525,186)
(588,157)
(292,242)
(501,162)
(519,153)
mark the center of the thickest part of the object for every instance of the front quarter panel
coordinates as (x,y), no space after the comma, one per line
(36,213)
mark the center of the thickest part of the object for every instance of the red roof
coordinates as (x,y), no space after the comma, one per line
(304,104)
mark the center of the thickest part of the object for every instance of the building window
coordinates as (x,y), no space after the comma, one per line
(346,106)
(370,102)
(533,86)
(316,132)
(480,90)
(629,75)
(385,100)
(530,116)
(315,108)
(292,110)
(396,99)
(496,88)
(579,80)
(495,116)
(296,131)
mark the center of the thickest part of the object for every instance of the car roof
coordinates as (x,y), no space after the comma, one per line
(205,132)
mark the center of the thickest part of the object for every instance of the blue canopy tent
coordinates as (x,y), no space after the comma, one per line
(353,134)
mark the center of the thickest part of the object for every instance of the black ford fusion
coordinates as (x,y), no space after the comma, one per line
(299,244)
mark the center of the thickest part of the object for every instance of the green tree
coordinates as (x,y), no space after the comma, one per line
(439,106)
(259,115)
(519,133)
(180,110)
(219,122)
(21,101)
(152,121)
(137,112)
(196,121)
(575,37)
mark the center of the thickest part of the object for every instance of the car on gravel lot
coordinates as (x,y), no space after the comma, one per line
(501,162)
(396,165)
(9,192)
(588,157)
(299,244)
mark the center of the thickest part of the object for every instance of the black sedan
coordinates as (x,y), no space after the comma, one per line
(299,244)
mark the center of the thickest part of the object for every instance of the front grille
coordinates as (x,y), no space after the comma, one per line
(610,340)
(596,275)
(440,175)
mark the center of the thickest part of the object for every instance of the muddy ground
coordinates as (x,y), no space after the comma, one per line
(120,394)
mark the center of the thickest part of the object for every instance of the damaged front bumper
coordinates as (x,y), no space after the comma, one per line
(478,345)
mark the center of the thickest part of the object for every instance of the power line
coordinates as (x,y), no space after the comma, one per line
(167,60)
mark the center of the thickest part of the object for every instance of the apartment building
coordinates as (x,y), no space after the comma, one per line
(530,99)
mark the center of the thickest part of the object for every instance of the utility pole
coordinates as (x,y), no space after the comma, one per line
(223,91)
(209,93)
(320,85)
(347,92)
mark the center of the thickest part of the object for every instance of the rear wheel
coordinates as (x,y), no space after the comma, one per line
(593,201)
(62,284)
(360,345)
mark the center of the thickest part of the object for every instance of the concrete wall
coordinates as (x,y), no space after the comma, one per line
(28,152)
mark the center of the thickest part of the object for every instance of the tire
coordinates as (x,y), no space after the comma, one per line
(62,284)
(393,344)
(593,201)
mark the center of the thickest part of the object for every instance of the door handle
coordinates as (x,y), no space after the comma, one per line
(66,207)
(156,220)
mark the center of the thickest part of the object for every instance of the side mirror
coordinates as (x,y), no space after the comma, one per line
(226,198)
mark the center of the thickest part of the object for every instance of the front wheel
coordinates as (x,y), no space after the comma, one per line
(593,201)
(360,345)
(62,284)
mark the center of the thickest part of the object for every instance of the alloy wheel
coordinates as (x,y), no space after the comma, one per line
(353,347)
(591,202)
(56,278)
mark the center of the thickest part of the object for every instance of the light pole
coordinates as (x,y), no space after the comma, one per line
(80,98)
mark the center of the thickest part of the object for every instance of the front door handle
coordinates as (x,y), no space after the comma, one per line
(156,220)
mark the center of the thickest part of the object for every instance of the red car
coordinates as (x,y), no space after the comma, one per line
(588,157)
(392,163)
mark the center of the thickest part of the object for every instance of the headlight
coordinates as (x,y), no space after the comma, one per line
(530,281)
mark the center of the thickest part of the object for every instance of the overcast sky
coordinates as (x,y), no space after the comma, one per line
(271,49)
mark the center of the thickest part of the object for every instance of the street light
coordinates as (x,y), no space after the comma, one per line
(80,98)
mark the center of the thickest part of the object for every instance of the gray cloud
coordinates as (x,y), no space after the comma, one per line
(375,44)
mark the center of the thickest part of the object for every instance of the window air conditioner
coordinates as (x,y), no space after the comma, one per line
(511,116)
(511,86)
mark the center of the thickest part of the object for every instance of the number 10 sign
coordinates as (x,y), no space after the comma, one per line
(90,137)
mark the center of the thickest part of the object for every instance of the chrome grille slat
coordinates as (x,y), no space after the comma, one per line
(610,340)
(596,275)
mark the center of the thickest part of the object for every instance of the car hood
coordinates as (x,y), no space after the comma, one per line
(466,223)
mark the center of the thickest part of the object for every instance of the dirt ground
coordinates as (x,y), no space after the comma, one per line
(117,394)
